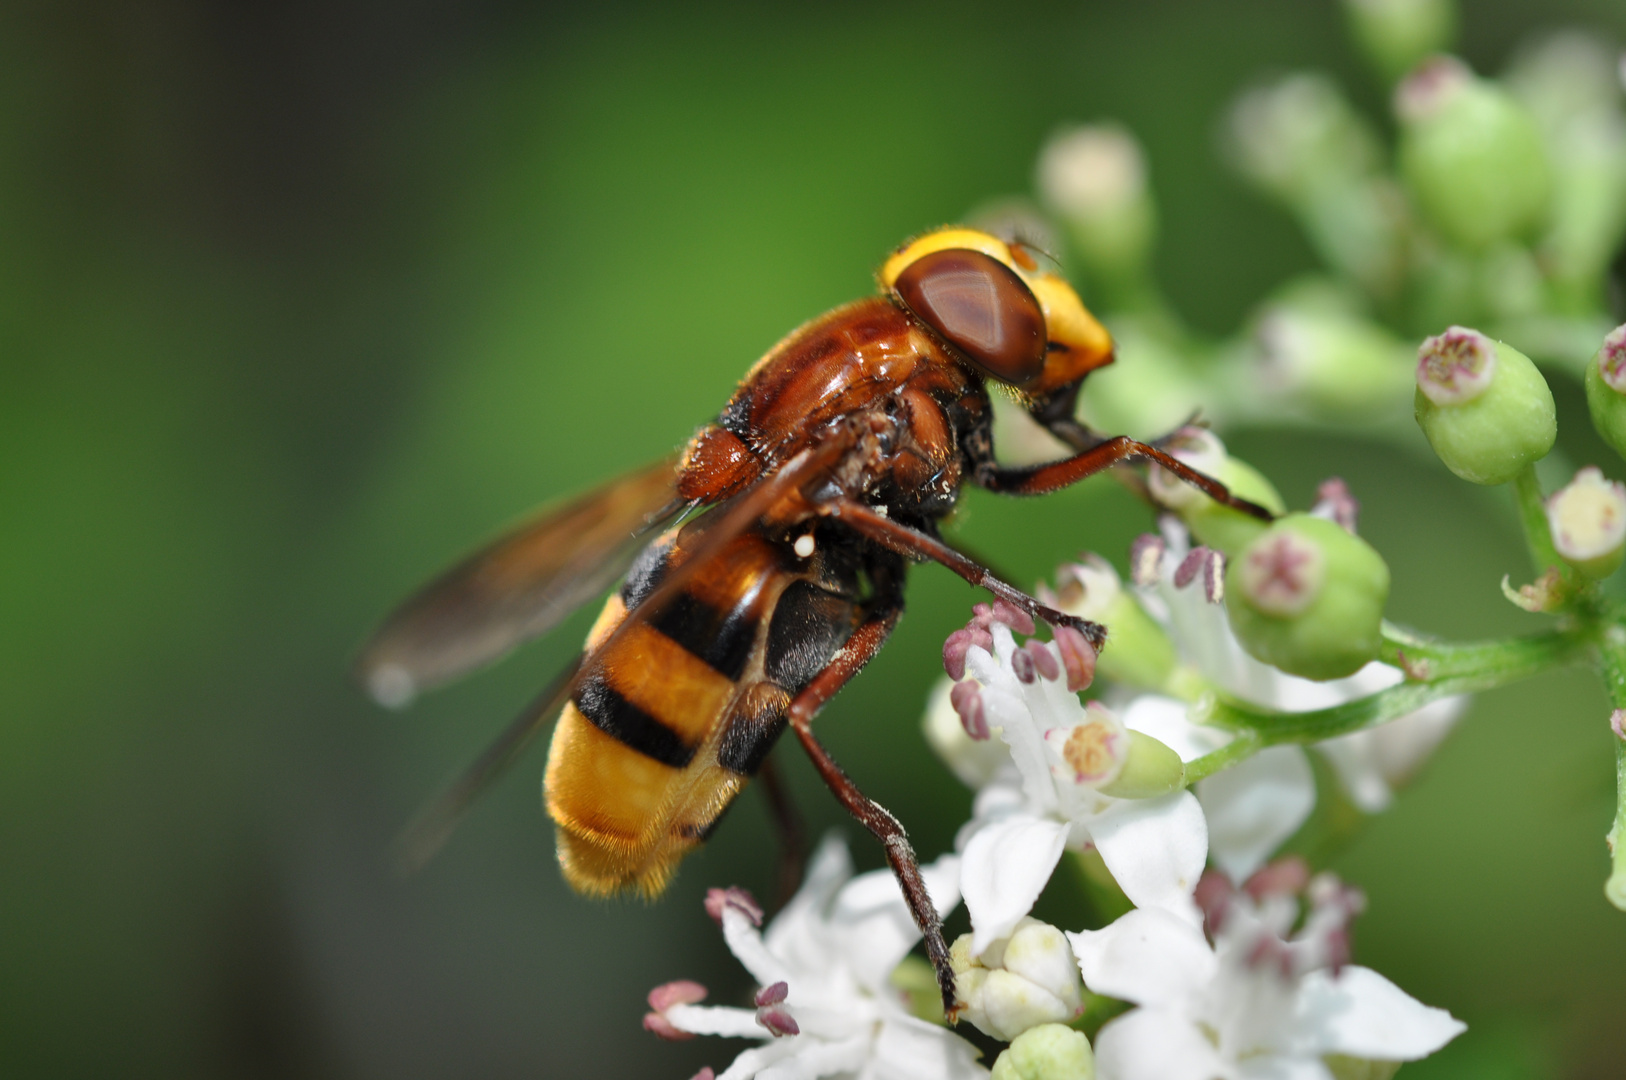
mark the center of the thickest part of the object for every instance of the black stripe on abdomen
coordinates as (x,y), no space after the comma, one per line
(723,640)
(628,724)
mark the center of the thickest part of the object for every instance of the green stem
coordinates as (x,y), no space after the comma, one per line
(1533,516)
(1612,650)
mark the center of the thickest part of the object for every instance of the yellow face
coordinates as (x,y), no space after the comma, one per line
(1026,328)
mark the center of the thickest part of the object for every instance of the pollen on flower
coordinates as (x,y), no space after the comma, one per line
(719,900)
(1612,359)
(1588,516)
(1093,752)
(662,998)
(1456,366)
(1282,574)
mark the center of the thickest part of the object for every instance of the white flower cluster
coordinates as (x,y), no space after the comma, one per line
(1226,977)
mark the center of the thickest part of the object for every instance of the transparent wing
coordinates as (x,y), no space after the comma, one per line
(523,584)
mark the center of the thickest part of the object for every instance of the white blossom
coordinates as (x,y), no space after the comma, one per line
(1263,1001)
(826,1007)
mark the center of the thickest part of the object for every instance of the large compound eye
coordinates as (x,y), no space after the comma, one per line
(982,308)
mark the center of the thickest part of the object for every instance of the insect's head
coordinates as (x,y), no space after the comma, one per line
(1002,314)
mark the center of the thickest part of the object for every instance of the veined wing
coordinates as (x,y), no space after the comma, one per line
(521,585)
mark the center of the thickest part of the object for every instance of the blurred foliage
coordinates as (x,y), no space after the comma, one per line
(297,302)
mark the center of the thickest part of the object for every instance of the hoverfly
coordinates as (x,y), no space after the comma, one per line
(825,475)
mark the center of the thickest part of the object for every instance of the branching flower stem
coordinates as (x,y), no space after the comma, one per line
(1612,650)
(1436,669)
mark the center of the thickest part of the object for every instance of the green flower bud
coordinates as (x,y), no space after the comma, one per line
(1396,34)
(915,979)
(1472,156)
(1298,136)
(1154,395)
(1307,597)
(1484,407)
(1139,652)
(1331,363)
(1219,527)
(1606,390)
(1047,1052)
(1094,179)
(1587,519)
(1019,982)
(1150,769)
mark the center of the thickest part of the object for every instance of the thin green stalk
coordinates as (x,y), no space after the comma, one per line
(1533,516)
(1612,650)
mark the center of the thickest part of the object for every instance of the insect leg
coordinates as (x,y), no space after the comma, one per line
(787,824)
(918,545)
(865,642)
(1055,475)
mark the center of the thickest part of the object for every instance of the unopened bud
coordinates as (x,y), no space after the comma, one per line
(1331,363)
(1395,34)
(1472,155)
(1094,178)
(1140,652)
(1484,407)
(1308,597)
(1606,390)
(1587,518)
(1220,527)
(1020,981)
(1298,137)
(1046,1052)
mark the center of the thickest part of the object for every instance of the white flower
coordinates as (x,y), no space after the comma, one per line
(826,1007)
(1261,1003)
(1254,806)
(1046,798)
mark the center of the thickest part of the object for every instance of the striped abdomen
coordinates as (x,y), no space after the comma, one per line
(669,724)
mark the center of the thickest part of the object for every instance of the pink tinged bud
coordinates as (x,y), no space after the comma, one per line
(1146,559)
(1617,723)
(1013,617)
(1022,665)
(773,995)
(1612,359)
(1282,575)
(778,1021)
(1043,659)
(1285,877)
(1333,501)
(733,897)
(966,699)
(1426,90)
(1213,896)
(1077,657)
(1456,366)
(681,992)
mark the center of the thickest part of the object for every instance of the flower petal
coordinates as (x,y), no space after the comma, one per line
(1155,849)
(1151,1044)
(813,1058)
(1362,1014)
(1254,806)
(716,1020)
(752,1062)
(1149,956)
(1281,1067)
(1004,869)
(911,1049)
(871,924)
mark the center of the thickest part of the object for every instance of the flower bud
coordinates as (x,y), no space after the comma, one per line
(1484,407)
(1299,136)
(1150,769)
(1472,156)
(1335,364)
(1587,518)
(1307,597)
(1019,982)
(1139,652)
(1220,527)
(1395,34)
(1047,1052)
(1606,390)
(1094,178)
(916,980)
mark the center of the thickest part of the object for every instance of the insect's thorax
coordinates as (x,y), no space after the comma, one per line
(866,363)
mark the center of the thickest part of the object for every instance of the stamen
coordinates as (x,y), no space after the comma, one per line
(1146,558)
(718,900)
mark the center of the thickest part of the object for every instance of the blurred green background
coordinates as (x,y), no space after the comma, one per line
(299,301)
